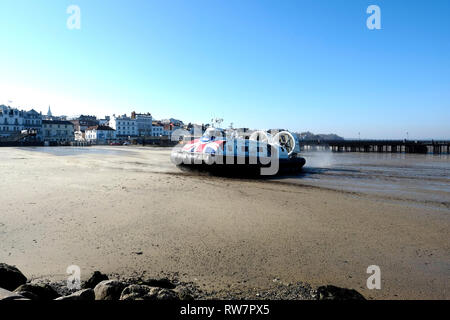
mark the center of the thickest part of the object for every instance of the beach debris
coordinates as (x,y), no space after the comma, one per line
(335,293)
(37,291)
(10,277)
(95,279)
(81,295)
(108,290)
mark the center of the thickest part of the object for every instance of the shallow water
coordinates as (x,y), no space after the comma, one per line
(422,178)
(72,151)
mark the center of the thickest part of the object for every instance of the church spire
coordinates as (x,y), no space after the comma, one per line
(49,113)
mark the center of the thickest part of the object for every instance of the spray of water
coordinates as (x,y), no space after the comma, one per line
(319,159)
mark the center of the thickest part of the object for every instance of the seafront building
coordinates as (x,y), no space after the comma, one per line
(175,122)
(81,123)
(157,129)
(125,127)
(100,134)
(33,121)
(13,121)
(144,122)
(105,121)
(58,131)
(53,130)
(169,128)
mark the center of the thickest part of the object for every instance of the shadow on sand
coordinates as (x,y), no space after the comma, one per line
(255,173)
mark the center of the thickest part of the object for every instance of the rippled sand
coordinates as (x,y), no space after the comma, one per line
(101,208)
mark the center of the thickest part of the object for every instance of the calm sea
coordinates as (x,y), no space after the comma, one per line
(416,177)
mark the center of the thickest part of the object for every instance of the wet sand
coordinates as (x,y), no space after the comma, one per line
(128,210)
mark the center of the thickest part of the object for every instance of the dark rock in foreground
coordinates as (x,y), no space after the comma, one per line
(144,292)
(167,294)
(98,287)
(27,295)
(184,294)
(139,292)
(10,277)
(116,290)
(336,293)
(37,291)
(94,280)
(108,290)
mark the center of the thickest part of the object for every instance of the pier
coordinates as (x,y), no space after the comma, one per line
(391,146)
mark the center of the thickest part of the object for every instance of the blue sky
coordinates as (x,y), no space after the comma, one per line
(300,65)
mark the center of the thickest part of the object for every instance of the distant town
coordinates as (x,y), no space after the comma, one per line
(51,130)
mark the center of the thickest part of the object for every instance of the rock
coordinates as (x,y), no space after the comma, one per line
(28,295)
(10,277)
(336,293)
(8,295)
(108,290)
(160,283)
(41,292)
(82,295)
(184,294)
(144,292)
(94,280)
(139,292)
(166,294)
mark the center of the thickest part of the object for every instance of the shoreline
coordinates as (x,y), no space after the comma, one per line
(97,212)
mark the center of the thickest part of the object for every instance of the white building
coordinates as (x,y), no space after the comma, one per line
(125,126)
(11,120)
(100,134)
(144,123)
(79,136)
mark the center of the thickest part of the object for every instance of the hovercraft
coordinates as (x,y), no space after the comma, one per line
(223,150)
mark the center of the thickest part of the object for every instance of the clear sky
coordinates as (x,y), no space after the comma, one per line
(300,65)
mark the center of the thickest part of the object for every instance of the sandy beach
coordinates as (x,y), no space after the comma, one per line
(128,210)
